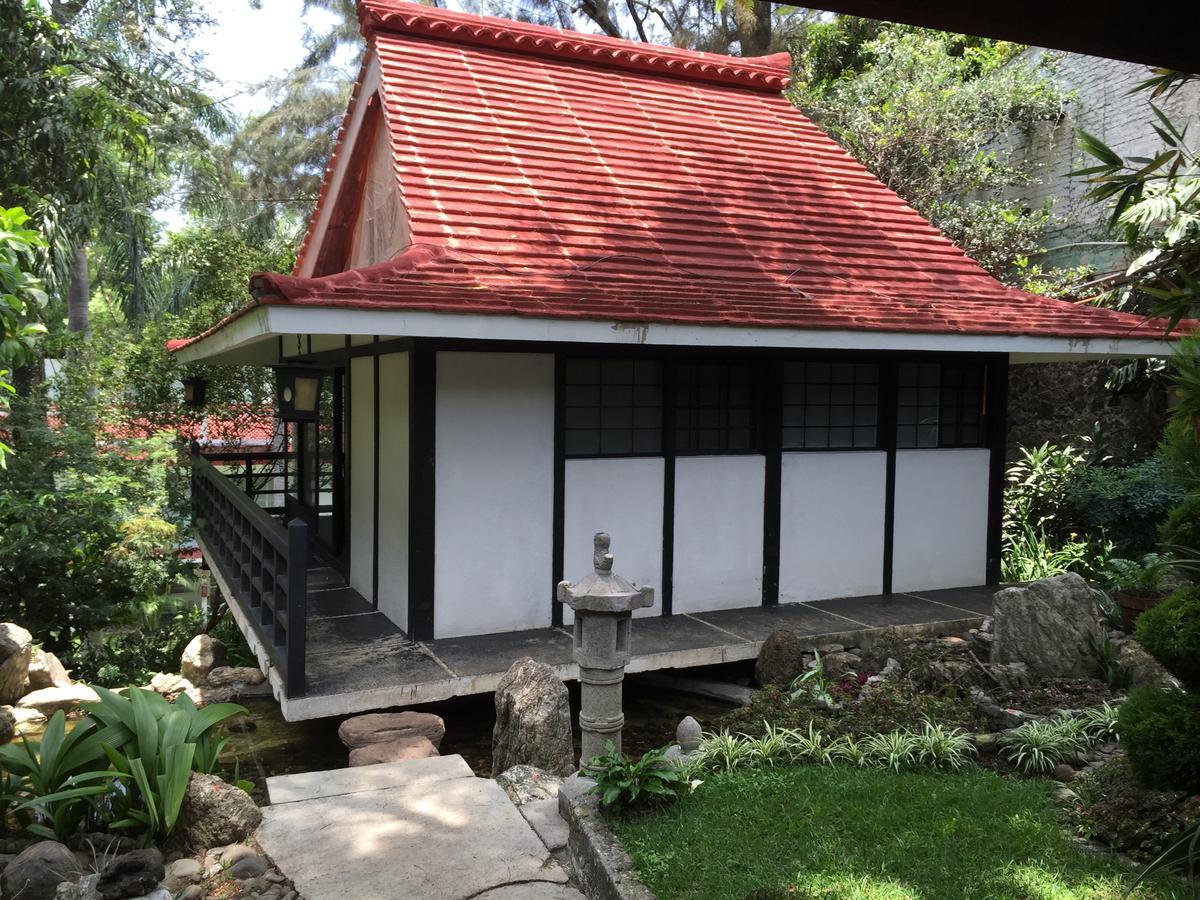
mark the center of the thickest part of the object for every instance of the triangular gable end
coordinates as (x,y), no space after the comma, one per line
(360,217)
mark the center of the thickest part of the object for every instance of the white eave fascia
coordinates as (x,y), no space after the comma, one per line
(248,340)
(276,321)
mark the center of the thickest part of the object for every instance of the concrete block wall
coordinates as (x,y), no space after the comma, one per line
(1102,106)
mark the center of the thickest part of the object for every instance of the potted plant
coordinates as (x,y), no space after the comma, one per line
(1137,585)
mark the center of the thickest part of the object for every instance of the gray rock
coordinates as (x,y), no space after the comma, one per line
(99,844)
(45,671)
(48,701)
(38,870)
(525,784)
(8,725)
(1064,773)
(132,874)
(16,647)
(1053,626)
(411,746)
(83,889)
(781,658)
(169,685)
(231,854)
(688,734)
(215,813)
(380,728)
(186,868)
(202,654)
(533,720)
(1142,668)
(248,867)
(235,676)
(192,892)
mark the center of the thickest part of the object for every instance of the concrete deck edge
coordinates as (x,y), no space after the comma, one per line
(599,862)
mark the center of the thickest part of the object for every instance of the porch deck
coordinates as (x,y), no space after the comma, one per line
(357,660)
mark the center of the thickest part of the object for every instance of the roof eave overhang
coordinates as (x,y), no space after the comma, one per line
(252,339)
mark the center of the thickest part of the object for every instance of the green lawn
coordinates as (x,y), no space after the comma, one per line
(835,832)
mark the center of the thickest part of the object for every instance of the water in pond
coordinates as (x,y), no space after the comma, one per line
(277,747)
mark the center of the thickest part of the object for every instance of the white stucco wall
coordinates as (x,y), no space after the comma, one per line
(941,519)
(831,525)
(718,532)
(625,498)
(393,486)
(362,474)
(494,492)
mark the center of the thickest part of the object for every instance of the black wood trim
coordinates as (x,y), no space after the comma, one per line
(422,501)
(339,466)
(667,590)
(996,415)
(887,427)
(375,486)
(771,392)
(558,527)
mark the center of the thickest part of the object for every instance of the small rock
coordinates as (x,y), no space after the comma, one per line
(45,671)
(412,746)
(986,743)
(27,720)
(231,854)
(248,867)
(241,726)
(275,877)
(378,728)
(202,654)
(83,889)
(781,658)
(1064,796)
(38,870)
(131,874)
(216,813)
(1064,773)
(952,640)
(688,735)
(170,686)
(839,662)
(826,649)
(235,676)
(8,725)
(185,868)
(192,892)
(48,701)
(525,784)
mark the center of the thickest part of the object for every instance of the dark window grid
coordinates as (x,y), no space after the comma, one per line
(831,406)
(715,409)
(961,415)
(918,405)
(612,408)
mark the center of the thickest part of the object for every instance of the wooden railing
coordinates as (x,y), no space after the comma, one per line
(264,563)
(262,475)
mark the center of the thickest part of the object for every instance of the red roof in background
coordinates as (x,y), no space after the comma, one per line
(562,175)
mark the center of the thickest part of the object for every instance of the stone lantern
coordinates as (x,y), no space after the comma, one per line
(604,603)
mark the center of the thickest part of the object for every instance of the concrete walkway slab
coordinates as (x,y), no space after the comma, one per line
(411,830)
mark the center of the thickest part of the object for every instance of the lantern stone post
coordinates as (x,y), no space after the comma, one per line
(603,603)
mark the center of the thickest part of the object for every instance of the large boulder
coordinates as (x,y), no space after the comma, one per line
(132,874)
(46,671)
(412,746)
(38,870)
(1054,626)
(202,654)
(1142,669)
(533,720)
(216,813)
(382,728)
(781,658)
(16,648)
(50,700)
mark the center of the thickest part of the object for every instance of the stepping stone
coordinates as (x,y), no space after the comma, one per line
(414,775)
(543,817)
(436,835)
(414,746)
(379,728)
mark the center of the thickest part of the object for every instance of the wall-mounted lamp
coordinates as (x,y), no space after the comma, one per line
(195,389)
(296,392)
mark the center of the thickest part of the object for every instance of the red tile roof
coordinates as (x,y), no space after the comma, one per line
(555,174)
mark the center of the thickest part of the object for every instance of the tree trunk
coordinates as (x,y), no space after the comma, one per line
(79,293)
(754,32)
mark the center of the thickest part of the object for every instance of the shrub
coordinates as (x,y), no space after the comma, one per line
(1038,746)
(1161,732)
(1170,632)
(1144,576)
(625,783)
(1182,527)
(1126,503)
(1117,809)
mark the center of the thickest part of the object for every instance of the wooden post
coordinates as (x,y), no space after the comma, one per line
(297,605)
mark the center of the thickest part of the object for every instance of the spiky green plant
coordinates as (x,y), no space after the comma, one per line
(1099,724)
(723,751)
(848,751)
(896,750)
(942,748)
(772,749)
(1036,747)
(810,747)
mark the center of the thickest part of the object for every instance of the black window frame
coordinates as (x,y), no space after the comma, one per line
(642,378)
(946,398)
(823,385)
(714,398)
